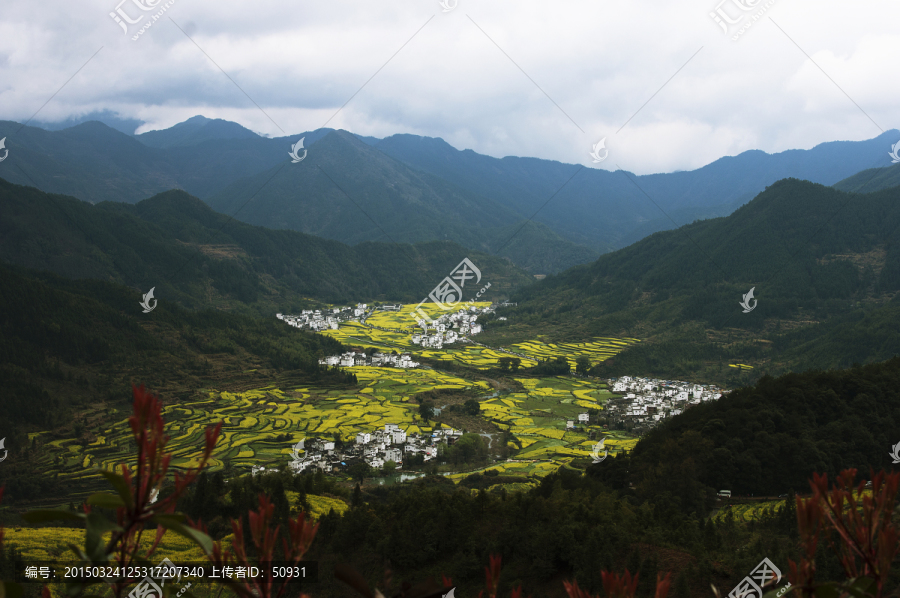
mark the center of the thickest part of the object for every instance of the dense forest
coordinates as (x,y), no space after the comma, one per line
(647,511)
(824,264)
(767,438)
(199,258)
(68,345)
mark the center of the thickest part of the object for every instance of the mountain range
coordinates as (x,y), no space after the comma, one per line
(544,215)
(823,265)
(198,258)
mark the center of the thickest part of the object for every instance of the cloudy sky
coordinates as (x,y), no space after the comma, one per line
(666,86)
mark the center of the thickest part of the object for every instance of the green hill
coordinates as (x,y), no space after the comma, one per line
(816,257)
(873,179)
(73,344)
(766,439)
(199,258)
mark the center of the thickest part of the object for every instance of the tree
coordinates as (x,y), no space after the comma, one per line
(389,467)
(472,407)
(360,471)
(426,410)
(582,365)
(504,363)
(470,448)
(514,364)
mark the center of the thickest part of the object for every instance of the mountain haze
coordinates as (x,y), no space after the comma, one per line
(416,188)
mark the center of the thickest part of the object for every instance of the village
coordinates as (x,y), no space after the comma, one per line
(451,327)
(647,401)
(372,448)
(331,319)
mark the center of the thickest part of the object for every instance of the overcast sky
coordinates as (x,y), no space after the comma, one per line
(501,77)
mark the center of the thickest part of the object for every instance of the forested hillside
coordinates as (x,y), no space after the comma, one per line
(73,345)
(872,179)
(765,439)
(199,258)
(821,262)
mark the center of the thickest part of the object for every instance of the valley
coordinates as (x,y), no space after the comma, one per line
(588,378)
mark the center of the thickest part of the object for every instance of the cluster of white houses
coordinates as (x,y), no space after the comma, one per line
(449,327)
(646,401)
(373,448)
(352,359)
(328,319)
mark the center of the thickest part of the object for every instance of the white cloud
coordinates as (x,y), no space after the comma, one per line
(600,61)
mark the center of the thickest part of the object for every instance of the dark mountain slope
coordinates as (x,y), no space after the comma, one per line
(767,438)
(351,192)
(813,255)
(590,207)
(200,258)
(872,179)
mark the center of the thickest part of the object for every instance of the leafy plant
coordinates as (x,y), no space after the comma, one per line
(137,500)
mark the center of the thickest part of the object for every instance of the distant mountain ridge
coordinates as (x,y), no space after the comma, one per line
(612,205)
(349,191)
(462,195)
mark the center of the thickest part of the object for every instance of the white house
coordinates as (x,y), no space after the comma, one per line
(582,417)
(393,454)
(363,438)
(570,424)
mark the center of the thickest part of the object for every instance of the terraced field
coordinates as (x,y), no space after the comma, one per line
(252,421)
(747,512)
(597,350)
(538,416)
(401,326)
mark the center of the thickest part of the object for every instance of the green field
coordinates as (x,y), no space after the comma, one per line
(253,420)
(537,417)
(401,326)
